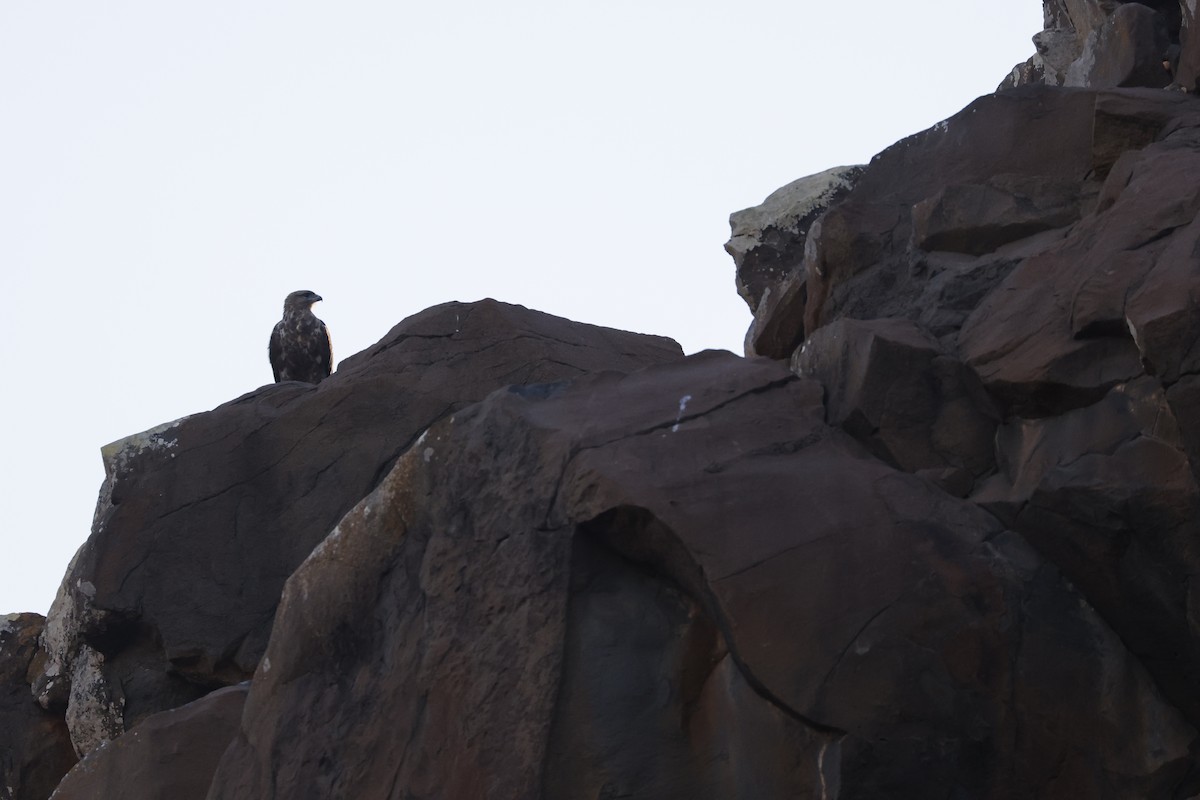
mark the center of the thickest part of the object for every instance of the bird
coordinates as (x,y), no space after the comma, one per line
(300,347)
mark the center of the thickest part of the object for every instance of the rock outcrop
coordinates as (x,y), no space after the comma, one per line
(650,598)
(35,748)
(201,521)
(936,536)
(894,387)
(1103,44)
(767,241)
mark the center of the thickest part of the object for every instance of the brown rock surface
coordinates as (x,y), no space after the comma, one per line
(1056,334)
(168,756)
(1105,43)
(200,522)
(35,748)
(647,594)
(980,218)
(954,554)
(1127,50)
(773,332)
(891,385)
(1187,73)
(862,260)
(1019,233)
(767,240)
(1106,493)
(1071,290)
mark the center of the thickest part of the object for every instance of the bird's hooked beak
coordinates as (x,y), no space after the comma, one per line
(317,298)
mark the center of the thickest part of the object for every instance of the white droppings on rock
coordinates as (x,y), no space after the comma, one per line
(683,401)
(428,454)
(266,664)
(87,589)
(1133,333)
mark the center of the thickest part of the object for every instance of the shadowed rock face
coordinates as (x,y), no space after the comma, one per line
(201,521)
(767,241)
(35,748)
(891,385)
(1129,49)
(169,756)
(647,595)
(692,579)
(1082,336)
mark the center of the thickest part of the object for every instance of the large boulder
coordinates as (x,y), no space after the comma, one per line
(862,255)
(978,218)
(682,583)
(1105,43)
(1016,232)
(1070,323)
(1106,493)
(951,552)
(1052,263)
(891,385)
(35,747)
(169,756)
(767,240)
(1129,49)
(773,331)
(1187,72)
(201,521)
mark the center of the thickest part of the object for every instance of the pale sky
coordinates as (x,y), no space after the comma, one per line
(170,171)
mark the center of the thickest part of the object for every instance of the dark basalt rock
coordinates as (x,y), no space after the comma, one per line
(168,756)
(767,241)
(1068,324)
(200,522)
(1029,258)
(35,747)
(648,595)
(891,385)
(1106,493)
(1127,50)
(1102,44)
(774,332)
(863,254)
(1187,71)
(981,218)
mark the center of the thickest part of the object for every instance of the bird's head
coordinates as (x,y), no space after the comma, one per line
(300,301)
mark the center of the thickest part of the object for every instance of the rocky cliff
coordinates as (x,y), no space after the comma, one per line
(936,536)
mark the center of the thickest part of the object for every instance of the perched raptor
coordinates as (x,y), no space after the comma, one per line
(300,348)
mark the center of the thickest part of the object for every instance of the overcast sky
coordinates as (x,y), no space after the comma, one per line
(169,171)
